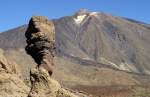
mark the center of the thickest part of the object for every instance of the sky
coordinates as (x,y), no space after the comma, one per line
(14,13)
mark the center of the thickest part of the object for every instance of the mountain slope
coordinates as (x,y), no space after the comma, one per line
(13,38)
(106,39)
(96,38)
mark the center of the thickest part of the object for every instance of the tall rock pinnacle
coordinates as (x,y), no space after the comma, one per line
(40,45)
(41,42)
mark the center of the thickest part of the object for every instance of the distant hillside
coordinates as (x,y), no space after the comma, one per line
(13,38)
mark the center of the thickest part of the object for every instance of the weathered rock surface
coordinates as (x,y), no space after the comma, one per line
(10,83)
(3,63)
(41,42)
(44,86)
(40,45)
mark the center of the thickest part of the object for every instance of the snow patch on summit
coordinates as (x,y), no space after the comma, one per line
(94,13)
(79,19)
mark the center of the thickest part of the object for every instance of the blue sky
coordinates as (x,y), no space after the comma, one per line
(14,13)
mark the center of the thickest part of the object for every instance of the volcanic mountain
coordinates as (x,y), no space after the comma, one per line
(92,48)
(96,38)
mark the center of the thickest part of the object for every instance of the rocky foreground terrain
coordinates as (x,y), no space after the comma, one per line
(41,83)
(97,55)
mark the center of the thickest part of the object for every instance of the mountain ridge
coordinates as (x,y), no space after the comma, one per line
(96,28)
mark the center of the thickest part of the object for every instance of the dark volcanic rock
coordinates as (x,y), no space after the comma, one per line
(41,41)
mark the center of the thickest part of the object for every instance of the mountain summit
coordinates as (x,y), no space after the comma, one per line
(82,12)
(105,39)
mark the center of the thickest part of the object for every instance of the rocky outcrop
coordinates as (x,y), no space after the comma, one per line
(4,63)
(40,45)
(10,83)
(44,86)
(41,42)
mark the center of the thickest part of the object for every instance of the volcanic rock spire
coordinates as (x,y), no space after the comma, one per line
(41,42)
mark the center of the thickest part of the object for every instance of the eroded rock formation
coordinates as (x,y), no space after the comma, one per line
(10,83)
(41,42)
(44,86)
(4,65)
